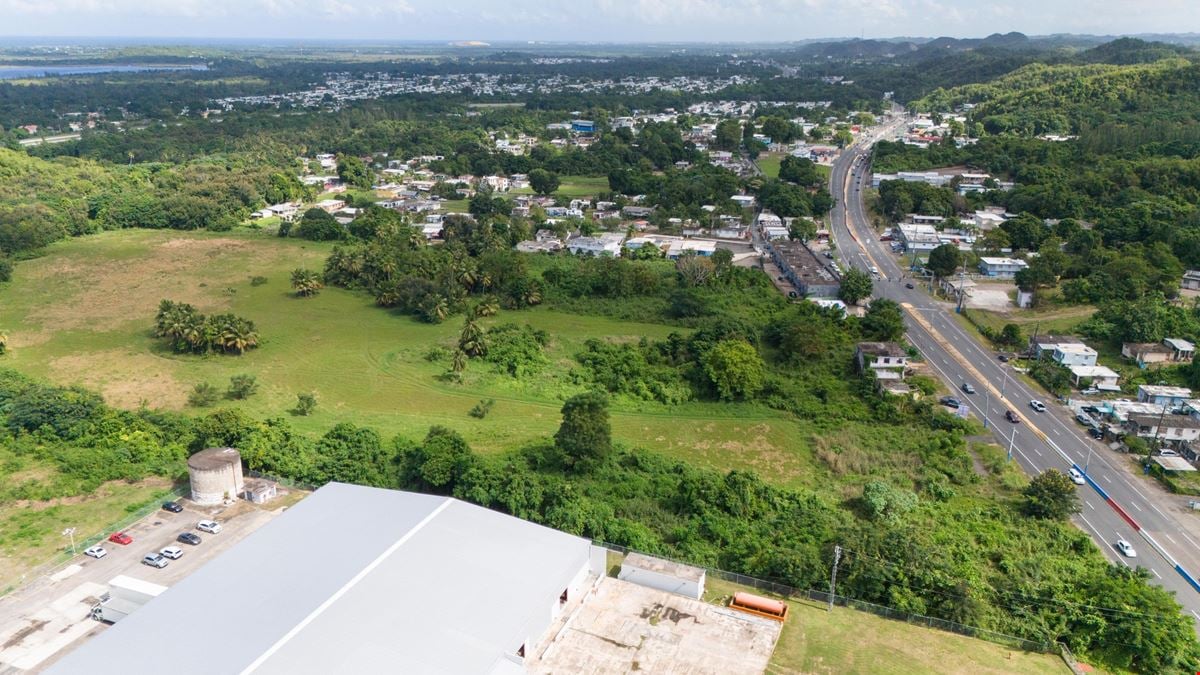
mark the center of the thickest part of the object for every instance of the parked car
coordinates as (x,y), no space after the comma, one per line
(1003,358)
(1167,453)
(1095,433)
(909,285)
(1090,409)
(1090,391)
(1038,406)
(1012,417)
(1126,549)
(1076,477)
(120,538)
(172,552)
(173,507)
(1085,419)
(96,552)
(154,560)
(967,388)
(188,538)
(950,402)
(209,526)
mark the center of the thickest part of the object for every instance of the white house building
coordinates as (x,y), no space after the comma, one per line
(1001,268)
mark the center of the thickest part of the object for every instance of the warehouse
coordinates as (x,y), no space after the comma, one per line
(359,580)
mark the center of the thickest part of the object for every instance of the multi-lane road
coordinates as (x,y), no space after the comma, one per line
(1042,440)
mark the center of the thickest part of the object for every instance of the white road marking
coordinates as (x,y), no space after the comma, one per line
(1156,573)
(1170,538)
(1194,613)
(1039,452)
(1106,479)
(1134,505)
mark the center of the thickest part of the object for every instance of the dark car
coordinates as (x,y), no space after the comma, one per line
(909,285)
(1012,417)
(1003,358)
(173,507)
(1095,433)
(188,538)
(950,402)
(967,388)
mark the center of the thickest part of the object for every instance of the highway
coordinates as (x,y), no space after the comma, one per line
(1042,440)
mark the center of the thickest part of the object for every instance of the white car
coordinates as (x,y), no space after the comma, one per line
(154,560)
(209,526)
(172,552)
(1038,406)
(1076,477)
(1126,549)
(96,552)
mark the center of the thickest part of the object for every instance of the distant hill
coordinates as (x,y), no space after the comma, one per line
(1126,51)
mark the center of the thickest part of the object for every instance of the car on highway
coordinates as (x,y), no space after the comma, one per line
(1038,406)
(155,560)
(950,402)
(209,526)
(172,552)
(96,552)
(1076,477)
(967,388)
(909,285)
(1095,433)
(1085,419)
(120,538)
(189,538)
(1012,417)
(1126,549)
(173,507)
(874,270)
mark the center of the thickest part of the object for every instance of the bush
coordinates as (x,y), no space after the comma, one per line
(257,280)
(6,269)
(203,395)
(305,404)
(482,408)
(242,386)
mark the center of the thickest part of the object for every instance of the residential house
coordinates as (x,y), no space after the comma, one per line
(1077,354)
(1181,350)
(1169,429)
(1191,280)
(701,247)
(887,362)
(603,244)
(1100,377)
(1001,268)
(1146,353)
(1161,395)
(637,211)
(744,201)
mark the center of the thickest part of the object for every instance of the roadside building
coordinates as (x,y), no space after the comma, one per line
(1191,280)
(1161,395)
(1100,377)
(1181,350)
(808,273)
(1169,429)
(1076,354)
(603,244)
(1001,268)
(1146,353)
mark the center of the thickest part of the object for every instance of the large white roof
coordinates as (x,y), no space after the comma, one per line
(353,580)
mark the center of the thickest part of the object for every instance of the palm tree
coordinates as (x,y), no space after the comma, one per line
(459,363)
(3,342)
(487,307)
(471,341)
(237,335)
(306,282)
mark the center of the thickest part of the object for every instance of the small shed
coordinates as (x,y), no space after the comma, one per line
(663,575)
(259,491)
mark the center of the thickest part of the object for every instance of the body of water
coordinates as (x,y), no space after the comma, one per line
(20,72)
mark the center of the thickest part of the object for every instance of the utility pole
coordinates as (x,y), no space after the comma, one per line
(837,557)
(70,532)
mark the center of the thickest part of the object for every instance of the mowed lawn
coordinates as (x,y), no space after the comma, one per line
(83,314)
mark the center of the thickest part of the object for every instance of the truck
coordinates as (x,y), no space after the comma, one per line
(125,596)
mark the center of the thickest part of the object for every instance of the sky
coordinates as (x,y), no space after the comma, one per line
(591,20)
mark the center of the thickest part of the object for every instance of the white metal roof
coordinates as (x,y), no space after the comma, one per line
(353,580)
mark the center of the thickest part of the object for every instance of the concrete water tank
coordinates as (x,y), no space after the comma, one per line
(215,475)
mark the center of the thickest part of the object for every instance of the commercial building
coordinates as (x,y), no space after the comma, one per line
(808,273)
(359,580)
(1001,268)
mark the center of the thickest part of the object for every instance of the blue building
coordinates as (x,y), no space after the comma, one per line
(583,126)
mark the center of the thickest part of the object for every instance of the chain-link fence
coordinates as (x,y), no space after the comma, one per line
(64,557)
(790,592)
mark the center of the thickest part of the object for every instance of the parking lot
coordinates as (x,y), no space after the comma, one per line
(52,614)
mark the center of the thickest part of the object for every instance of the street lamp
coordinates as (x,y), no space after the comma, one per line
(1011,442)
(70,532)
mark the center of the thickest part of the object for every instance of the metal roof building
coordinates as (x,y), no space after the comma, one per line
(357,580)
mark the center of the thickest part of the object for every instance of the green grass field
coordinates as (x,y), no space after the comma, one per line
(574,187)
(815,640)
(82,314)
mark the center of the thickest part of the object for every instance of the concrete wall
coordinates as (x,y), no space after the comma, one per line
(662,582)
